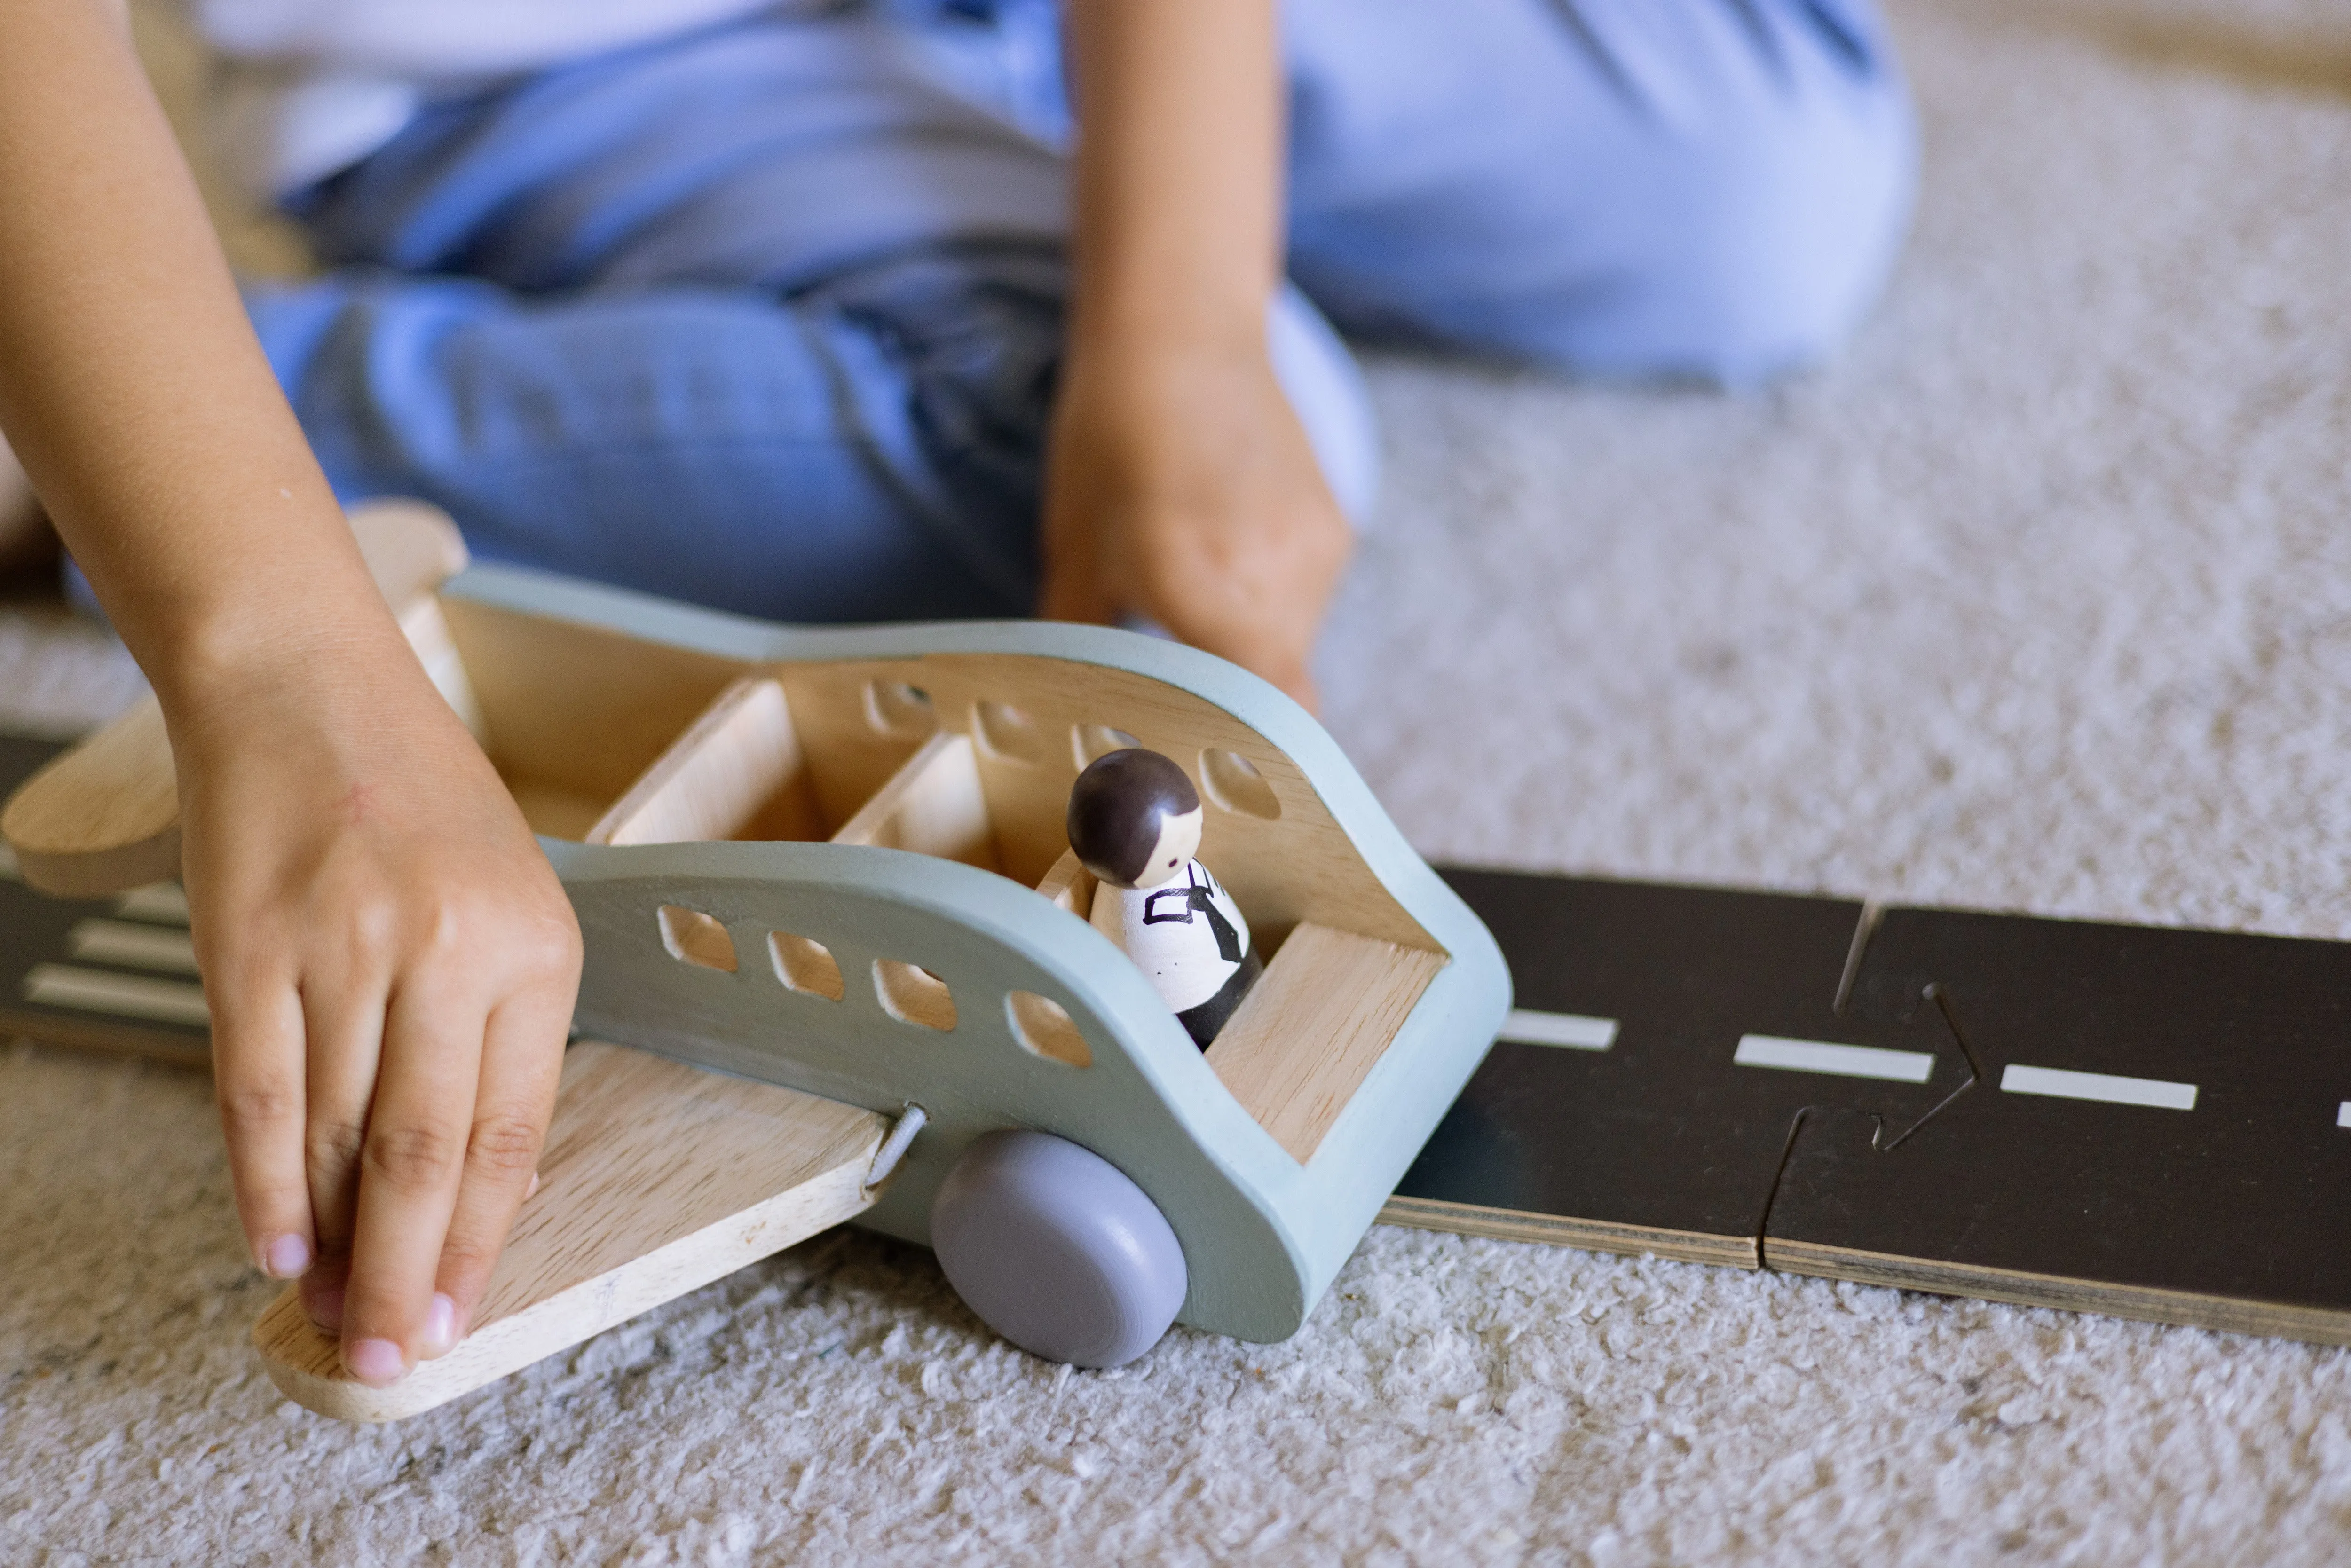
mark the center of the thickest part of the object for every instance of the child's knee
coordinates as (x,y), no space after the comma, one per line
(1758,253)
(1789,240)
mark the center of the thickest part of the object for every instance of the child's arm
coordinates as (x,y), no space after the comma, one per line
(1181,485)
(389,958)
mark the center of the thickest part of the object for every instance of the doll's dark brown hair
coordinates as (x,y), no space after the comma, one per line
(1118,806)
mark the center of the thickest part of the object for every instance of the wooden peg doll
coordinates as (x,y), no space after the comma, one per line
(1135,821)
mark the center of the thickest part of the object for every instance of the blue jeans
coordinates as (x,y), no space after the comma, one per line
(768,318)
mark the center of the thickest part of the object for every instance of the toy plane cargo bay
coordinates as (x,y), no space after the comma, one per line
(832,866)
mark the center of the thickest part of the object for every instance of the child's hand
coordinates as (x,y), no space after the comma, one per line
(388,960)
(1180,486)
(391,964)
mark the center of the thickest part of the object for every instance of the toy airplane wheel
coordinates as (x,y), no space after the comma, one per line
(1057,1249)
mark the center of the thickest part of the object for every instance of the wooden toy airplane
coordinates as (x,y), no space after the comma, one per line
(831,865)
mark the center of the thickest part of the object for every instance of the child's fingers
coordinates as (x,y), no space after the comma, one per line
(343,1015)
(257,1073)
(522,1058)
(321,1291)
(1070,585)
(1295,679)
(1225,625)
(410,1167)
(1074,591)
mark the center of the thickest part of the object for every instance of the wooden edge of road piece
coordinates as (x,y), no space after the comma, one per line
(2143,1304)
(1556,1230)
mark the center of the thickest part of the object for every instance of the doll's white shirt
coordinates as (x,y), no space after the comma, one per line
(1170,941)
(311,87)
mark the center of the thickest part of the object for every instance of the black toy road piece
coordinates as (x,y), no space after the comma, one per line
(2149,1123)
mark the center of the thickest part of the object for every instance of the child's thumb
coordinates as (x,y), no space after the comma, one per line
(1072,590)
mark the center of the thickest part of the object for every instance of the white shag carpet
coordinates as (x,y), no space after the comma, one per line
(2040,598)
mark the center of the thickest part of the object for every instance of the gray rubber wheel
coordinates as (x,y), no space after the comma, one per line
(1056,1250)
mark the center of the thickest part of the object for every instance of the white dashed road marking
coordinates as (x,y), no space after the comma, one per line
(1575,1030)
(2157,1092)
(1844,1060)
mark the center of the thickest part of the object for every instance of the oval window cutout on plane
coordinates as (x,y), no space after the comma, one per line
(1008,733)
(1235,784)
(1044,1028)
(893,707)
(804,964)
(1092,740)
(693,938)
(912,994)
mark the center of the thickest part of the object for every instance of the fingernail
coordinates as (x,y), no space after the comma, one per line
(376,1362)
(286,1257)
(326,1311)
(532,1190)
(440,1325)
